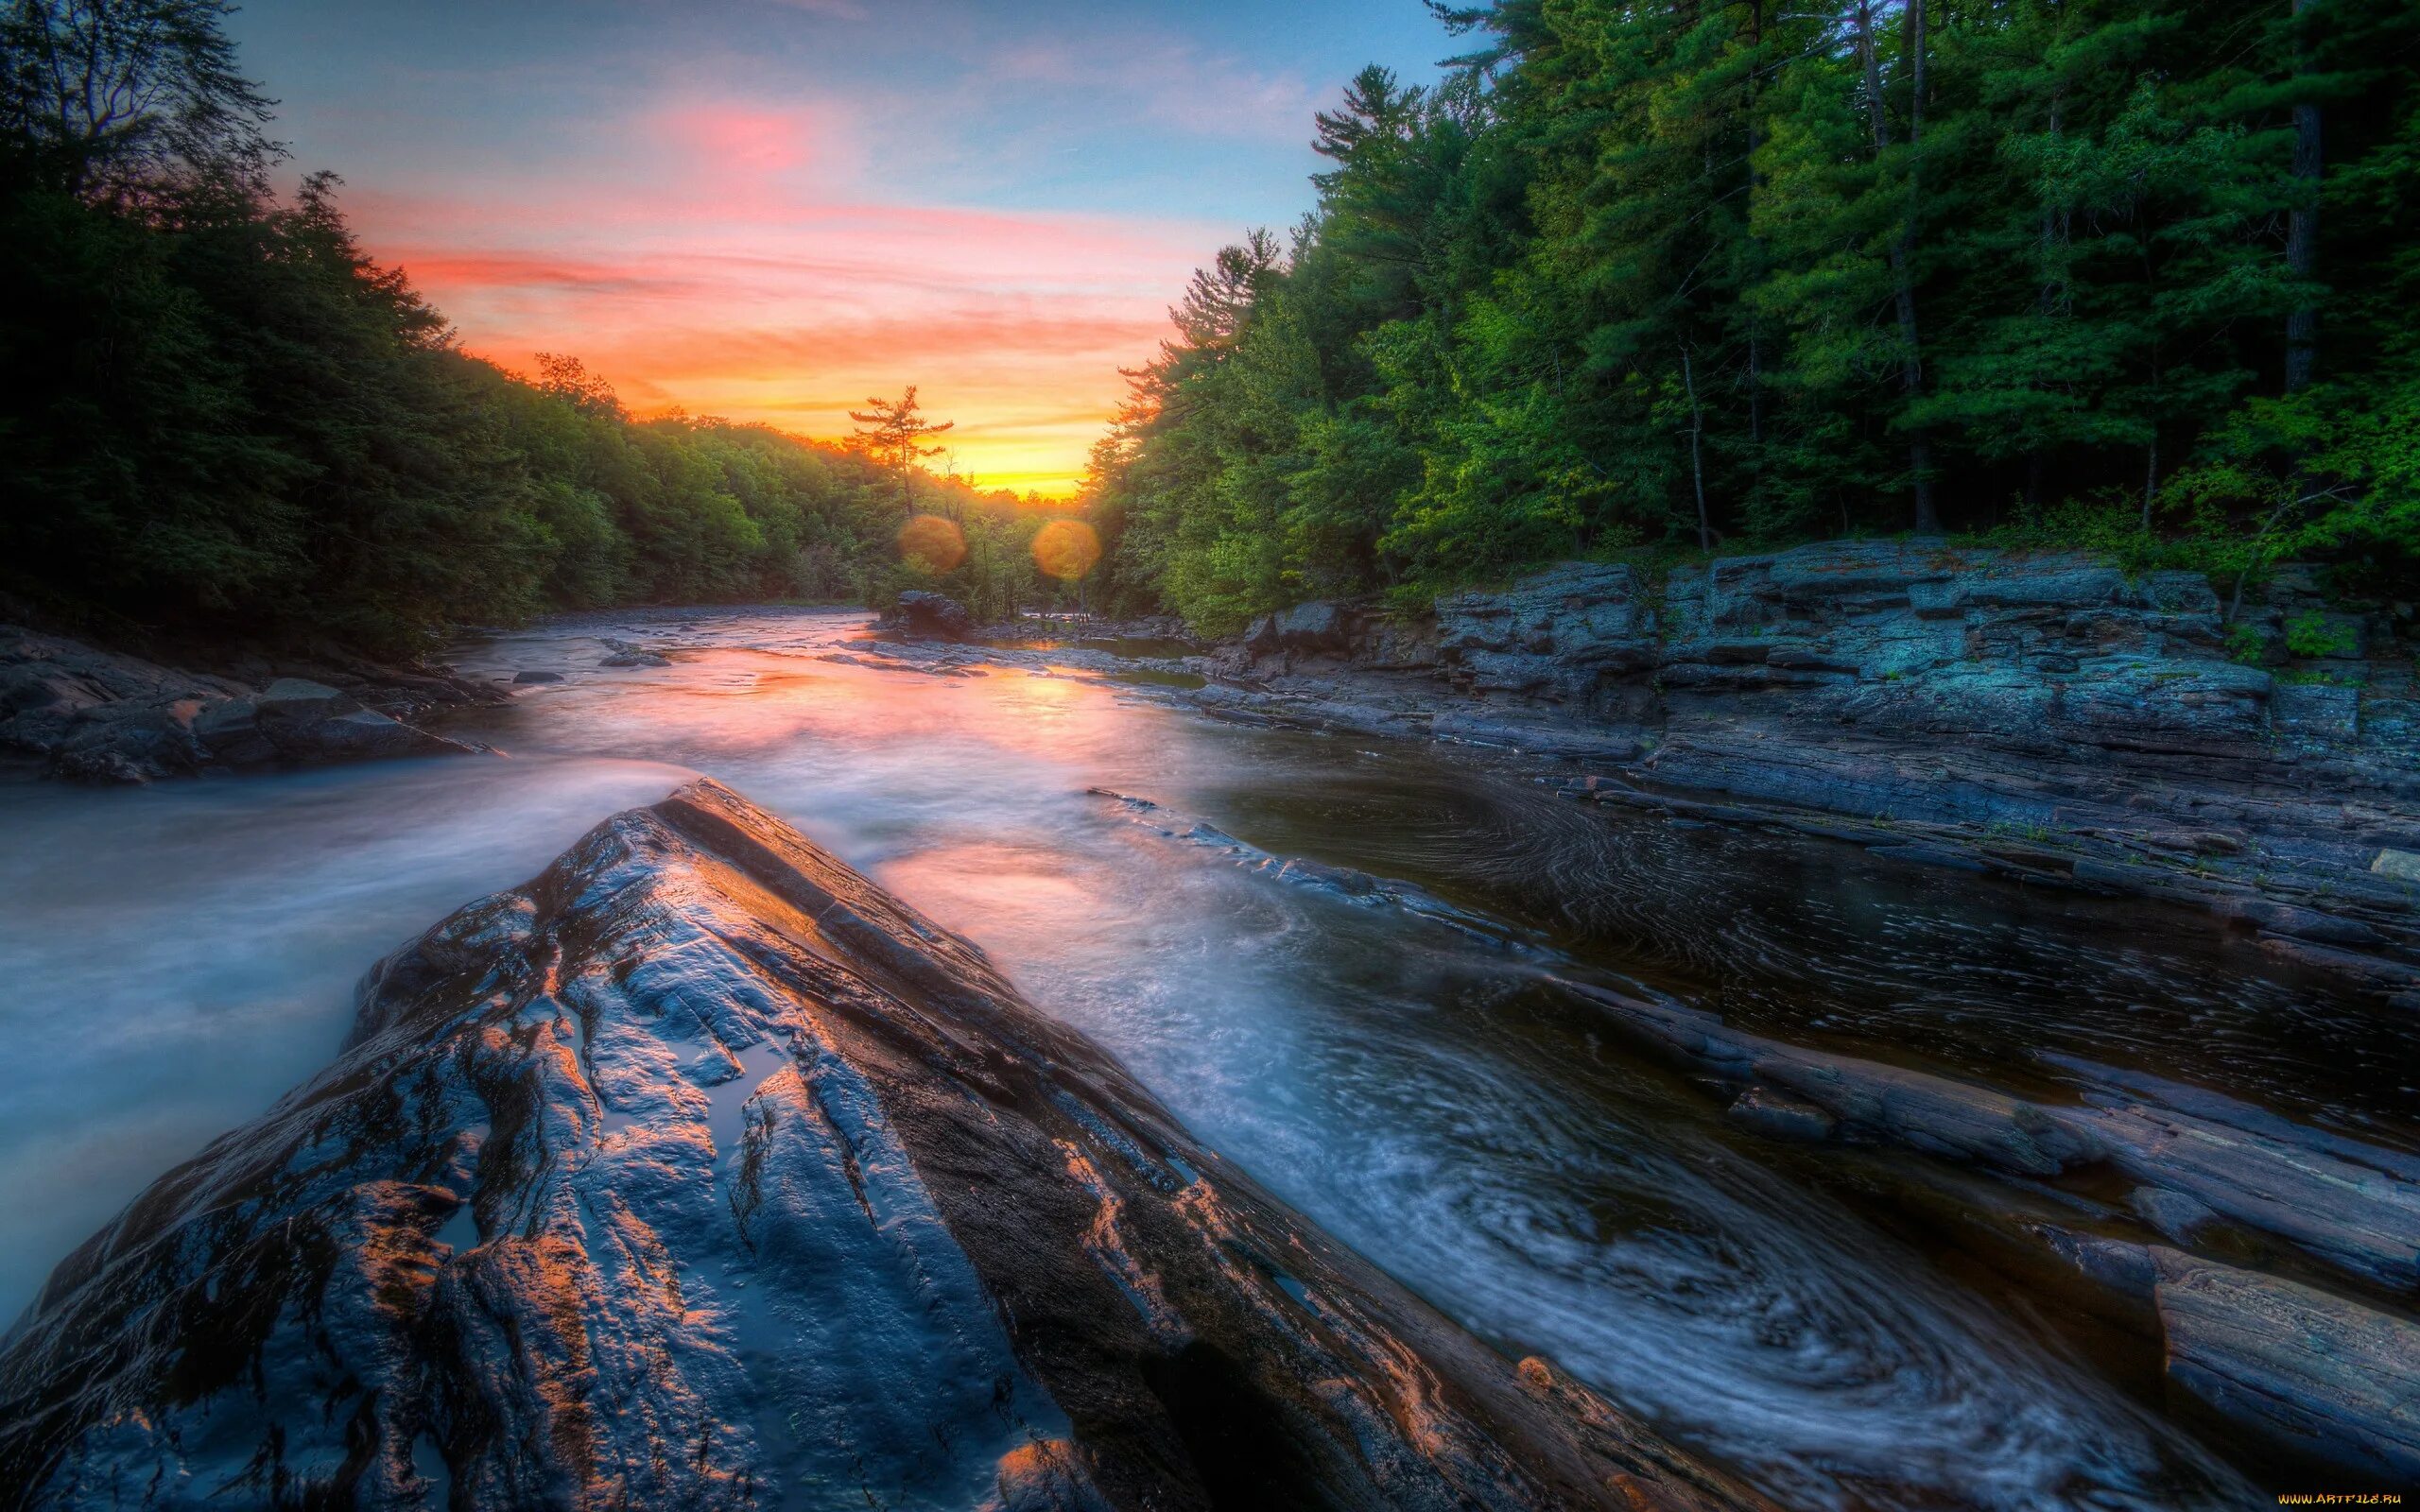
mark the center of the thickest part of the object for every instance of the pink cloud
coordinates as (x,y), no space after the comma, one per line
(724,255)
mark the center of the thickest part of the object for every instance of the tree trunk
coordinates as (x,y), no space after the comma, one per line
(2302,224)
(1903,293)
(2150,480)
(2052,294)
(1697,449)
(1755,242)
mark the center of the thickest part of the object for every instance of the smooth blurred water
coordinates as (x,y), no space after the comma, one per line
(175,958)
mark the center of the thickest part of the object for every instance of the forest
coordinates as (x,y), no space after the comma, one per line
(1667,279)
(1692,276)
(218,416)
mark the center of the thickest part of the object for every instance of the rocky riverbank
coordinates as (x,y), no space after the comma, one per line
(701,1172)
(2042,717)
(2271,1267)
(102,717)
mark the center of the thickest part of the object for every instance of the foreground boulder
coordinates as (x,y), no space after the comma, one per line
(99,716)
(699,1174)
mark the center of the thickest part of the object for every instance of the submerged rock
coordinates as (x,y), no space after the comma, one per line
(698,1173)
(629,654)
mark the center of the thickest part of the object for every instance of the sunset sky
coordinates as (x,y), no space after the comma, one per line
(771,209)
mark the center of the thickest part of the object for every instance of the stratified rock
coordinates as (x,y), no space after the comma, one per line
(2351,1206)
(1780,1116)
(1556,635)
(2328,1381)
(936,615)
(1981,691)
(701,1174)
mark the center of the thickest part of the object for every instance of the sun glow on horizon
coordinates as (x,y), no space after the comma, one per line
(768,212)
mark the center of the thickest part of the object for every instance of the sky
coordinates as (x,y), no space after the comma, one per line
(771,209)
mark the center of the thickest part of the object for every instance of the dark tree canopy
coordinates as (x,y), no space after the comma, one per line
(118,97)
(1702,273)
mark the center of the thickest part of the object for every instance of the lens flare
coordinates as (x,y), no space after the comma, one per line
(934,541)
(1066,549)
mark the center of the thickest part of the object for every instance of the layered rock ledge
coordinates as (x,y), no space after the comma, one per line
(2042,716)
(699,1173)
(102,716)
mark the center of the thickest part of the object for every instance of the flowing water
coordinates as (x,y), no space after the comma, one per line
(175,957)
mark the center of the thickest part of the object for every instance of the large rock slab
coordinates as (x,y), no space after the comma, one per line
(2330,1381)
(698,1173)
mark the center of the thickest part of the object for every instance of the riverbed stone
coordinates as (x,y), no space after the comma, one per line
(296,702)
(230,727)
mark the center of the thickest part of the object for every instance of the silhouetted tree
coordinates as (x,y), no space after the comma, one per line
(892,432)
(112,98)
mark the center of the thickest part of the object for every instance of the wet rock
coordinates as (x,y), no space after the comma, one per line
(701,1171)
(2304,923)
(2174,1214)
(1778,1116)
(937,617)
(1977,691)
(2350,1206)
(2328,1381)
(628,654)
(294,702)
(2401,865)
(1306,630)
(525,678)
(231,728)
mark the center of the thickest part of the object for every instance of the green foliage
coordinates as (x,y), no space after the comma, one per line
(2312,634)
(1651,277)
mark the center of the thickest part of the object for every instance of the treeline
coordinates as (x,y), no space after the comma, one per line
(218,415)
(1697,274)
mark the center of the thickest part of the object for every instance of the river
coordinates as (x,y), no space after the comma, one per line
(178,957)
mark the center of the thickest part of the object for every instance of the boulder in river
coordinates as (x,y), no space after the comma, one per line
(699,1173)
(939,616)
